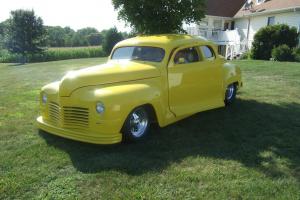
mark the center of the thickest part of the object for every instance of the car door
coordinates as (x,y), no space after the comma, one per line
(190,76)
(212,90)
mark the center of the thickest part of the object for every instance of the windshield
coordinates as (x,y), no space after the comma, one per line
(152,54)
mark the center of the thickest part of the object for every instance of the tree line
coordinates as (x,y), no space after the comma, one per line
(67,37)
(24,33)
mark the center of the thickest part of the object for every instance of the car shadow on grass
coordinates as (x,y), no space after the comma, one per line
(258,135)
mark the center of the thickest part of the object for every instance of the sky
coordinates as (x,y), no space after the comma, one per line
(73,13)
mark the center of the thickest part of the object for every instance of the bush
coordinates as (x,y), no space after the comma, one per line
(270,37)
(53,54)
(283,53)
(296,54)
(246,55)
(112,37)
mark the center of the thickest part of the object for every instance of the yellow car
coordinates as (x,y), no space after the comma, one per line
(162,78)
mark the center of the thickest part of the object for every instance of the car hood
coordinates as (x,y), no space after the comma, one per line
(111,72)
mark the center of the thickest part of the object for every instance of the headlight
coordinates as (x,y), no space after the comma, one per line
(44,98)
(100,108)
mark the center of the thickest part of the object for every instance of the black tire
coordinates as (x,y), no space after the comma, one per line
(230,94)
(131,130)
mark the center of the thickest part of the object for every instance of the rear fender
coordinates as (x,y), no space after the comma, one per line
(232,74)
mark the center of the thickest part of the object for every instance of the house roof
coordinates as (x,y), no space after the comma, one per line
(268,6)
(224,8)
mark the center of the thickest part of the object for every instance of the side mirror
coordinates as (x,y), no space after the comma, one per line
(181,61)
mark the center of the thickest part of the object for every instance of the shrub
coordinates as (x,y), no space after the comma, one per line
(112,37)
(246,55)
(270,37)
(283,53)
(296,54)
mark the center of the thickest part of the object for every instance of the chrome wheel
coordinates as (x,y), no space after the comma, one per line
(230,92)
(138,122)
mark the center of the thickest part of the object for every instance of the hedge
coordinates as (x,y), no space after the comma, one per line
(53,54)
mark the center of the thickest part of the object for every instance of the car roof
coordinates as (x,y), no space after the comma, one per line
(167,41)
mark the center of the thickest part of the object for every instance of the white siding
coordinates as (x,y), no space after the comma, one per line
(242,26)
(257,22)
(291,19)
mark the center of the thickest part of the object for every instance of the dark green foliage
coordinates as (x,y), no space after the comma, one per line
(270,37)
(3,27)
(3,33)
(79,41)
(26,33)
(95,39)
(67,37)
(87,31)
(283,53)
(296,54)
(159,16)
(53,54)
(246,55)
(112,37)
(57,36)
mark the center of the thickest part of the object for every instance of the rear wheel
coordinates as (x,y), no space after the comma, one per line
(136,125)
(230,94)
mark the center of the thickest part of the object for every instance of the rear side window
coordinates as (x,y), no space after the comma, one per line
(208,53)
(189,55)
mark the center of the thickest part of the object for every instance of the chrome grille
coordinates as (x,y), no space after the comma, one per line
(76,117)
(54,113)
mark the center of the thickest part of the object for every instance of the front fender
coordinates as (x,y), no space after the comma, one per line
(119,100)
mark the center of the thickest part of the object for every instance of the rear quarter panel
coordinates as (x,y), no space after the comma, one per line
(232,74)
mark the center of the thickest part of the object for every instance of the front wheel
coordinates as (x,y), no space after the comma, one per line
(136,125)
(230,94)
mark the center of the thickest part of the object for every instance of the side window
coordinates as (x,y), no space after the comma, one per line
(185,56)
(271,21)
(208,53)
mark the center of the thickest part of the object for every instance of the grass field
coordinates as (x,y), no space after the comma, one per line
(248,151)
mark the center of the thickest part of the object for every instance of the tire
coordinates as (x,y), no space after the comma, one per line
(137,125)
(230,94)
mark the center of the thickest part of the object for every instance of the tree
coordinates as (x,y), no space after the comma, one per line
(95,39)
(56,36)
(112,37)
(270,37)
(26,33)
(87,31)
(91,35)
(69,34)
(79,40)
(3,33)
(159,16)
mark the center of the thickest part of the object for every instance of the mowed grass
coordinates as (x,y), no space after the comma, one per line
(250,150)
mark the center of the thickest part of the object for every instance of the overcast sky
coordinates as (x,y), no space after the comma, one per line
(74,13)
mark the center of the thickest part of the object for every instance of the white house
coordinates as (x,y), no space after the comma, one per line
(232,24)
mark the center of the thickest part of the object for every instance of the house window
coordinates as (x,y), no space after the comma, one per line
(271,21)
(260,1)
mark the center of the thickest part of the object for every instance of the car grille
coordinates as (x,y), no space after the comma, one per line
(69,117)
(54,113)
(76,117)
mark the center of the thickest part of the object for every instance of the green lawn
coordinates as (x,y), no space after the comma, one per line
(248,151)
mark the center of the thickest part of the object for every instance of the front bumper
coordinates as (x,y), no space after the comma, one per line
(96,138)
